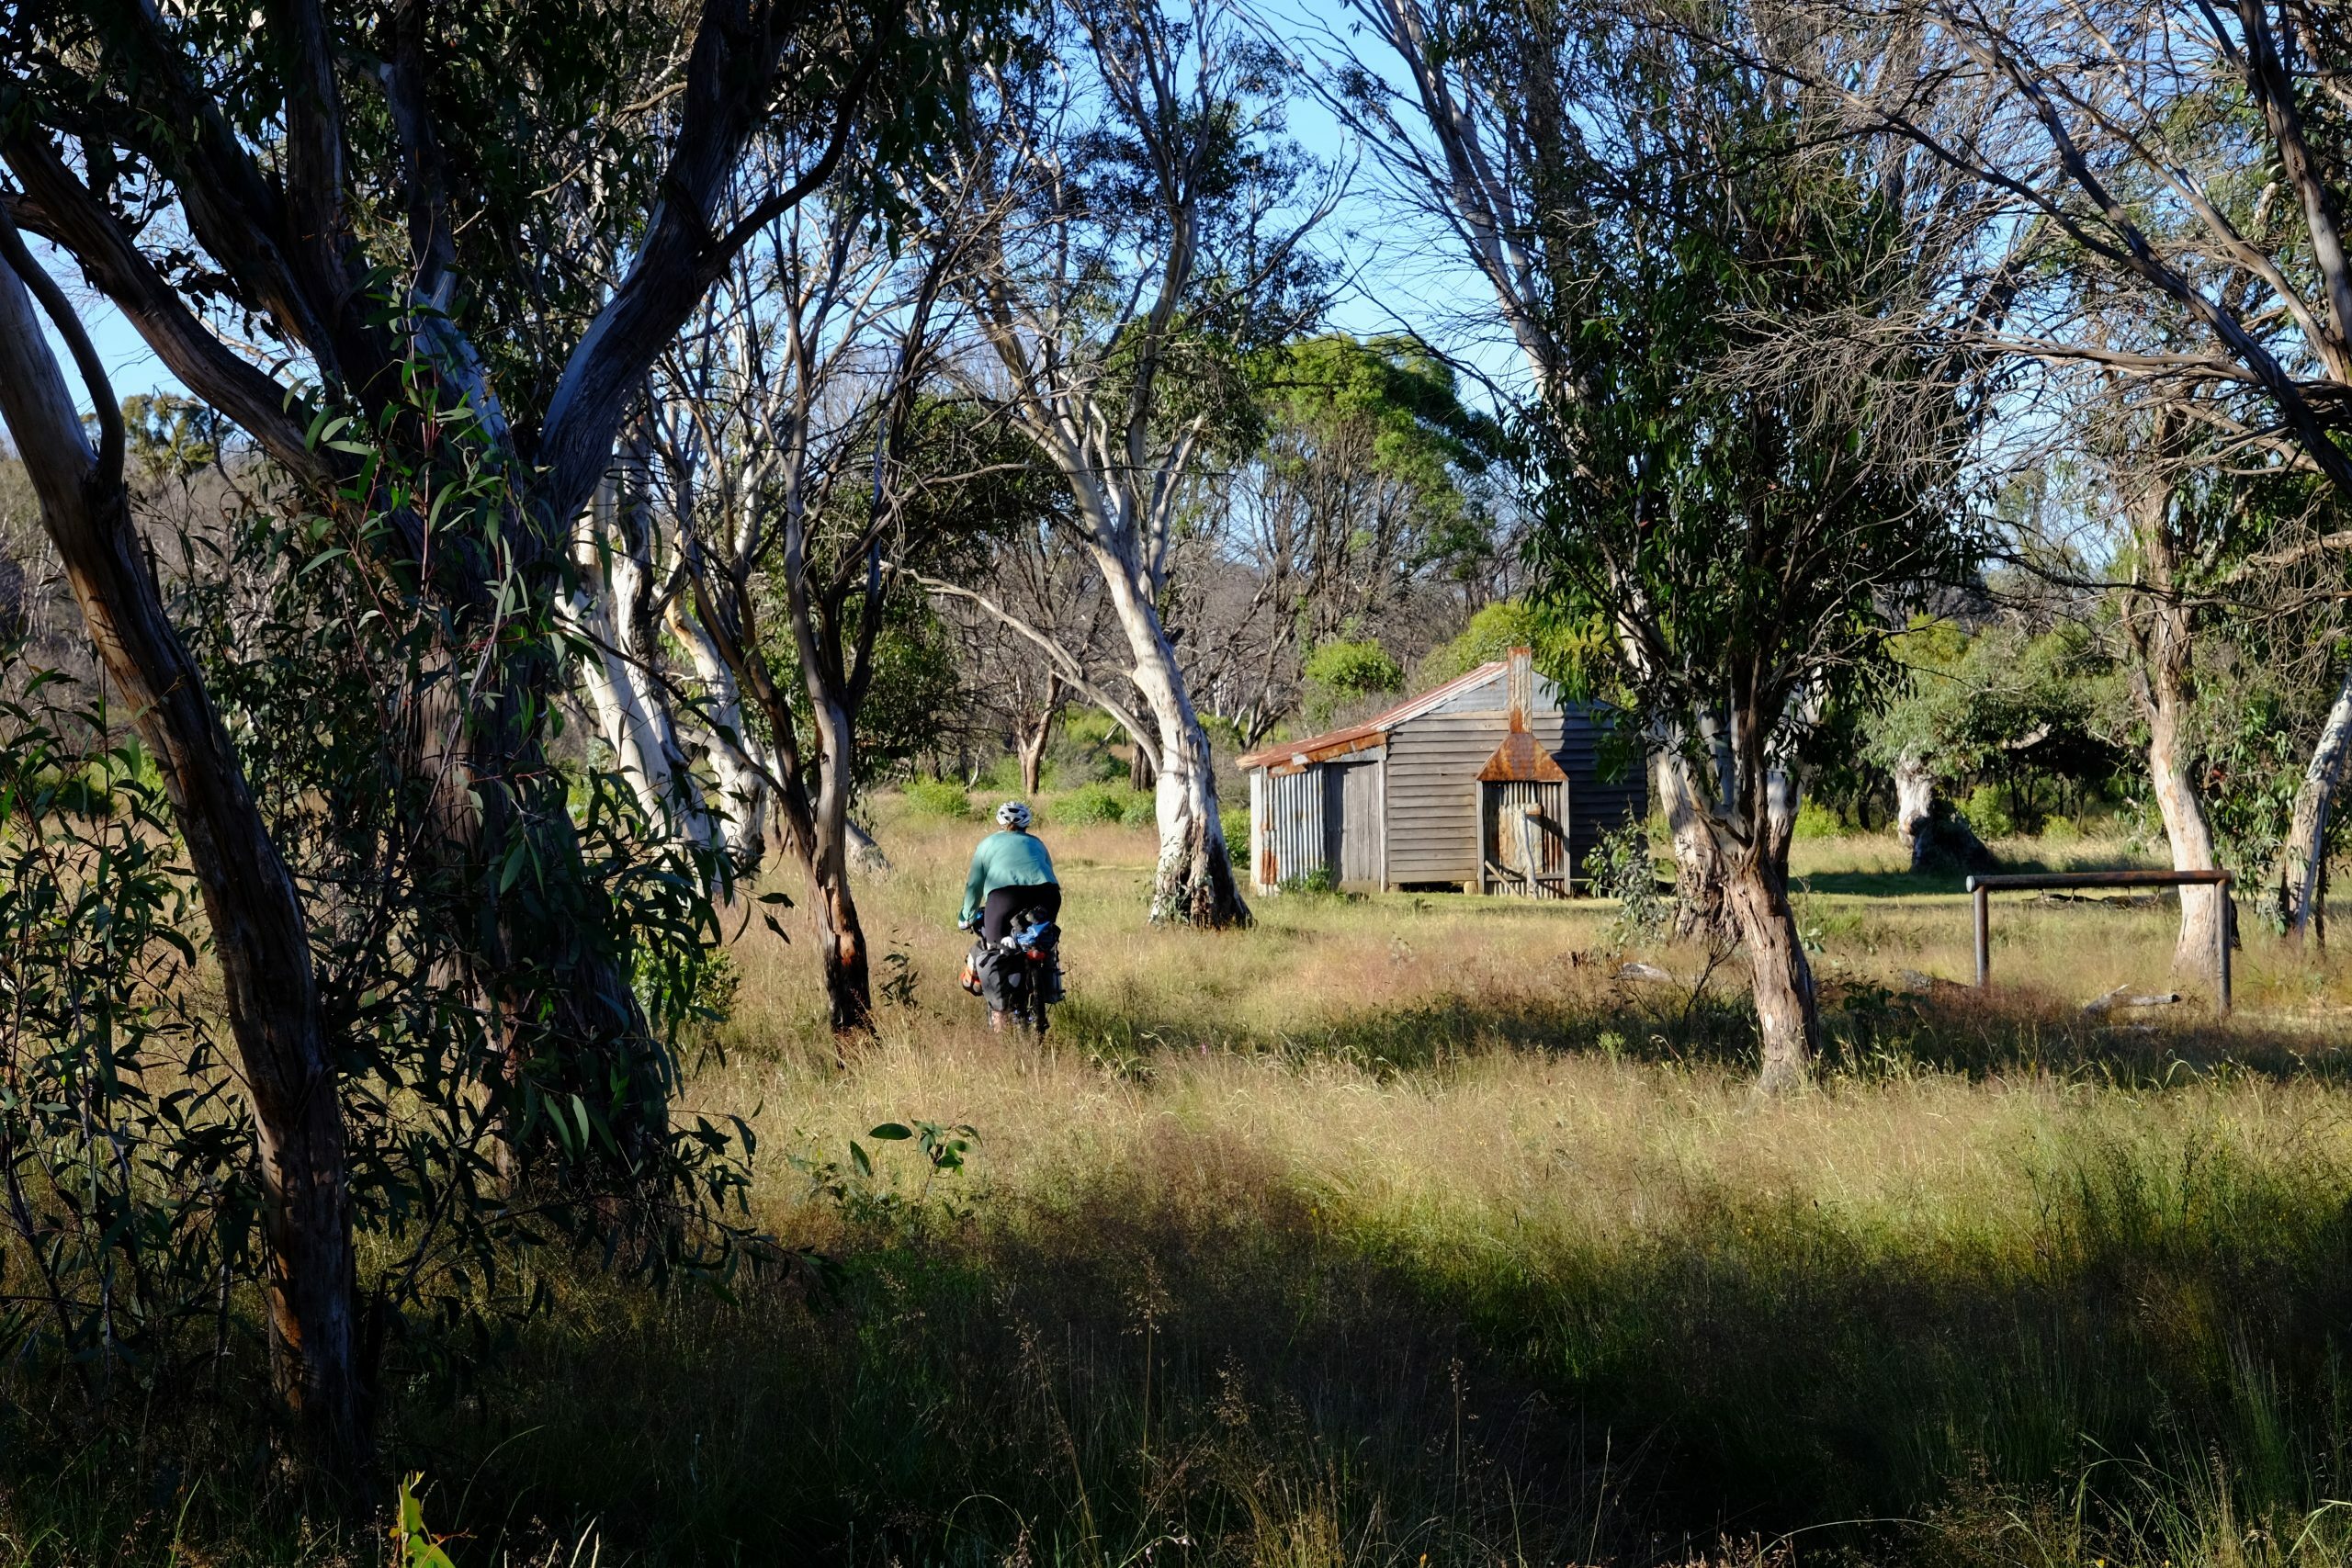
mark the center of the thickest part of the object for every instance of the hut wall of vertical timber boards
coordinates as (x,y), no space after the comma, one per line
(1397,801)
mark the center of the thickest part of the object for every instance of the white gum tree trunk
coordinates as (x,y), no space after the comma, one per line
(634,716)
(2302,875)
(1698,868)
(736,762)
(1125,504)
(2159,629)
(1686,796)
(1194,883)
(1783,796)
(2187,831)
(1914,803)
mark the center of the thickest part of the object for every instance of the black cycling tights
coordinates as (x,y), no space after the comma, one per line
(1006,902)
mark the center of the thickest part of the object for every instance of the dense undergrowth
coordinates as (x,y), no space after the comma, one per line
(1404,1231)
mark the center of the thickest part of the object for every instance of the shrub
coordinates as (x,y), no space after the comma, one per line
(1317,884)
(938,798)
(1345,671)
(1816,820)
(1101,803)
(1988,812)
(1357,669)
(1620,867)
(1235,820)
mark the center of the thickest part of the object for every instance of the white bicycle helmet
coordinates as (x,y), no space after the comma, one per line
(1012,814)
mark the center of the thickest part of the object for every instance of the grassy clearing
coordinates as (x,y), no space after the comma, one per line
(1402,1231)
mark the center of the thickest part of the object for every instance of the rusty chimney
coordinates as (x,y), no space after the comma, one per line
(1520,759)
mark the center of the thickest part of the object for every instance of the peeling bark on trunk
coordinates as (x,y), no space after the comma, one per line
(1698,868)
(1780,975)
(1031,744)
(1941,841)
(1740,831)
(1915,803)
(613,552)
(1193,883)
(735,759)
(2186,830)
(260,931)
(1783,795)
(2301,872)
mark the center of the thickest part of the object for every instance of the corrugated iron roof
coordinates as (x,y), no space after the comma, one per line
(1340,742)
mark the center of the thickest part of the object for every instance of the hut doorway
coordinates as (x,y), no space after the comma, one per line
(1352,821)
(1524,848)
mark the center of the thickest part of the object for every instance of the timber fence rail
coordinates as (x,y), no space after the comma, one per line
(1982,887)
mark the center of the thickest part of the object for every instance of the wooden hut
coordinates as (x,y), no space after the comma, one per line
(1487,783)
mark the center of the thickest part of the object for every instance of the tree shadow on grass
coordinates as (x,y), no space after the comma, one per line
(1188,1351)
(1183,1354)
(1139,1375)
(1871,1032)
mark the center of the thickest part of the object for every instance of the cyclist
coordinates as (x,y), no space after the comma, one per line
(1011,872)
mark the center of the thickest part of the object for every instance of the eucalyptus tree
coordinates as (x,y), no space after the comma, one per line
(1133,227)
(390,201)
(259,926)
(2189,163)
(788,417)
(2178,539)
(1749,489)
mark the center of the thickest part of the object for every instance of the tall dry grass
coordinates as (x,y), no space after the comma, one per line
(1404,1231)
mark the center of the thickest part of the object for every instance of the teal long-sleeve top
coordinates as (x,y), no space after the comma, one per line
(1005,859)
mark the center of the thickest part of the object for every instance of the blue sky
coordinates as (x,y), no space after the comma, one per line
(129,363)
(1398,278)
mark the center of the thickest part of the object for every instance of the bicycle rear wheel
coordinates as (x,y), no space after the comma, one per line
(1033,1000)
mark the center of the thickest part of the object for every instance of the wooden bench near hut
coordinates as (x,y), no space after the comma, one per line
(1487,784)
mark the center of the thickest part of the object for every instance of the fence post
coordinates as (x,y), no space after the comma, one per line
(2223,931)
(1983,934)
